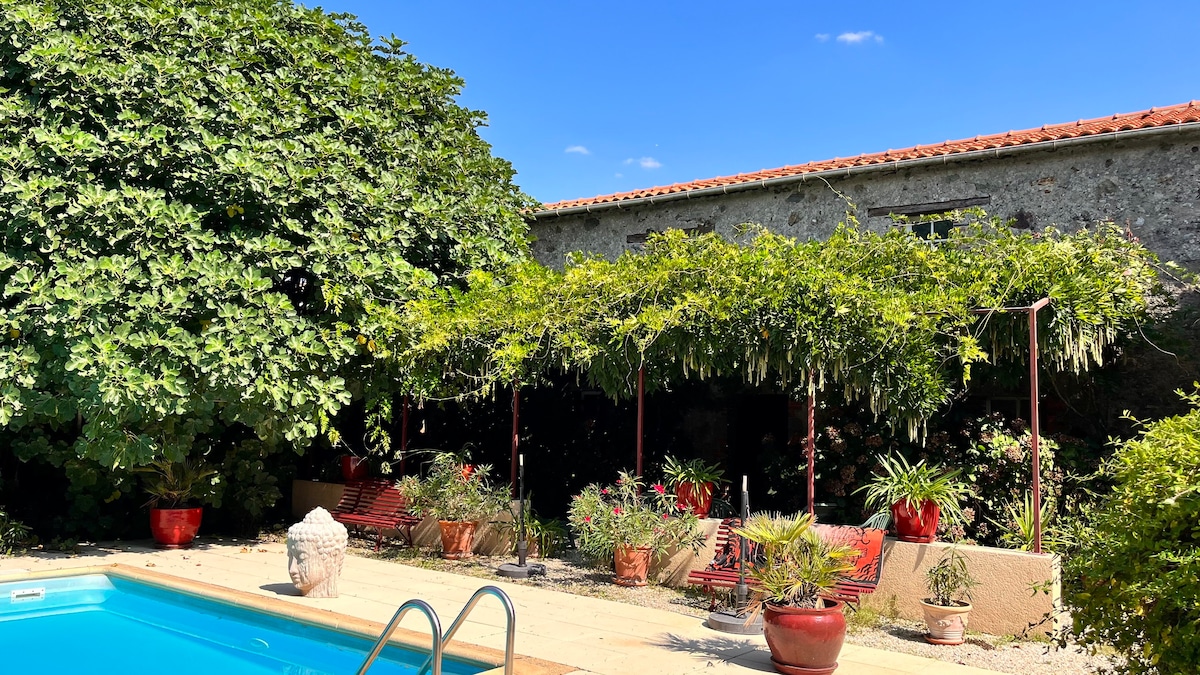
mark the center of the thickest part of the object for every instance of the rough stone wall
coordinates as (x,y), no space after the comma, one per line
(1151,185)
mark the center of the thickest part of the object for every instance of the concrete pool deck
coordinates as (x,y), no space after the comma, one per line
(590,635)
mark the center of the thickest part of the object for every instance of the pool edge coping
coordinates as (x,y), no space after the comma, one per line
(321,618)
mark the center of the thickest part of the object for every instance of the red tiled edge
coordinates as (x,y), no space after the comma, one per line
(1154,117)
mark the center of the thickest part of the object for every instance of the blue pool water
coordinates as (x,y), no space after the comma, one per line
(97,624)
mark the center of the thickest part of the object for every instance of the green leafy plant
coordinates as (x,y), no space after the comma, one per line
(913,484)
(213,213)
(1134,580)
(174,485)
(626,514)
(1018,531)
(795,566)
(14,535)
(454,490)
(702,475)
(949,582)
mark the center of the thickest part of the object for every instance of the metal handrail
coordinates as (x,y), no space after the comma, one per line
(434,624)
(510,629)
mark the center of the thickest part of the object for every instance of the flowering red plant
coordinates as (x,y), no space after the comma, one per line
(627,515)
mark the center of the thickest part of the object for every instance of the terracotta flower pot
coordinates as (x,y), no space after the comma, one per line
(175,528)
(354,468)
(457,539)
(632,565)
(694,497)
(916,525)
(946,624)
(805,641)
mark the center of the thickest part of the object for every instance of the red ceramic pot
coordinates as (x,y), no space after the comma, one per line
(632,565)
(175,528)
(805,641)
(696,499)
(916,525)
(458,539)
(354,468)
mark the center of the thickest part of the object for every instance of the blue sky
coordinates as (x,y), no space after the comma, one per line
(594,98)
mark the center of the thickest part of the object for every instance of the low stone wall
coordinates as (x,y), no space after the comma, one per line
(490,538)
(1016,589)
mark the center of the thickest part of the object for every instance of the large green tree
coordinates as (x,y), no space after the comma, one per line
(206,210)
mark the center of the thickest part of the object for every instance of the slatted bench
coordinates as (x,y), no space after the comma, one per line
(722,572)
(376,503)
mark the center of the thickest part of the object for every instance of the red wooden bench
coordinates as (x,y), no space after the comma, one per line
(722,572)
(376,503)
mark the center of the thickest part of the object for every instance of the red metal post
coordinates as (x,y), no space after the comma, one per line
(811,449)
(403,433)
(1035,423)
(516,436)
(641,416)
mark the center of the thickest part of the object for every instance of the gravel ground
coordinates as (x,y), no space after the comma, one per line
(1000,653)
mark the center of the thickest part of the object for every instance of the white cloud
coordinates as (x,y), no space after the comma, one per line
(649,163)
(620,175)
(628,161)
(822,37)
(859,37)
(578,149)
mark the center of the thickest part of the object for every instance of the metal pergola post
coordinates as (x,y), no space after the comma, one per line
(516,436)
(403,433)
(1034,415)
(810,448)
(641,416)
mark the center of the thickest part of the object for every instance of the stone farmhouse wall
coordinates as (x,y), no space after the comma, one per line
(1149,183)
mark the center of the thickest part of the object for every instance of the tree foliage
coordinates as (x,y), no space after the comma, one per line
(208,210)
(888,318)
(1135,580)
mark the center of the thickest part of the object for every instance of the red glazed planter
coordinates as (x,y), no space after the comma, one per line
(354,468)
(632,565)
(691,498)
(175,528)
(805,641)
(918,526)
(457,539)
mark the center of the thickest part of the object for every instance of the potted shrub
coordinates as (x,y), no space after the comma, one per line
(544,537)
(948,606)
(624,525)
(459,495)
(175,489)
(793,569)
(693,482)
(917,496)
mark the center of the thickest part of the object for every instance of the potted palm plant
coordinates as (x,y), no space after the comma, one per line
(693,482)
(176,491)
(793,571)
(626,526)
(948,606)
(459,495)
(917,495)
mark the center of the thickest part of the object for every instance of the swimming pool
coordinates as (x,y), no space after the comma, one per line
(104,623)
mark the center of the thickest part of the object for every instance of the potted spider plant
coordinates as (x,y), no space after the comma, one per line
(176,491)
(948,606)
(793,572)
(459,495)
(693,482)
(917,495)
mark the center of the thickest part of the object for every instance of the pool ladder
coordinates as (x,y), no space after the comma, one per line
(441,639)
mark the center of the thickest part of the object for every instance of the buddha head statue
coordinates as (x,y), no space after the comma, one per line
(316,547)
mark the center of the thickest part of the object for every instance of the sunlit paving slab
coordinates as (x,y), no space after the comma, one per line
(590,635)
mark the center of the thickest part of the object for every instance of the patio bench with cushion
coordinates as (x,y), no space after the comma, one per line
(722,572)
(376,503)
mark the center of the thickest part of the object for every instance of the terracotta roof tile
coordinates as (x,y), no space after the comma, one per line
(1146,119)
